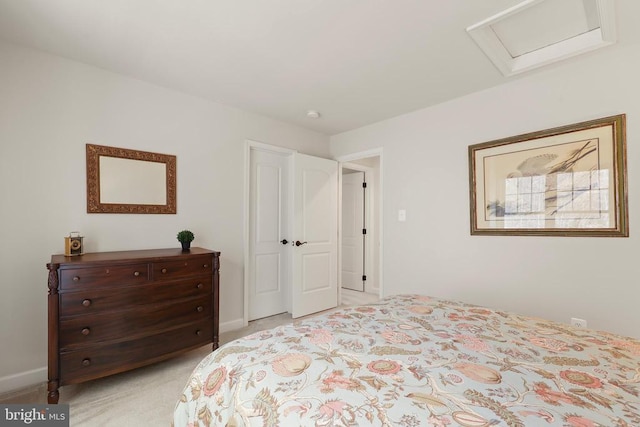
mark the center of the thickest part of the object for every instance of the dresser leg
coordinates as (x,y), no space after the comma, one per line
(54,394)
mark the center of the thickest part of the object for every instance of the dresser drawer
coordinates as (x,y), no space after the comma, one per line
(79,331)
(100,360)
(112,275)
(168,270)
(93,301)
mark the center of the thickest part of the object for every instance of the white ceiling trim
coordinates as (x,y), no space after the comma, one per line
(488,41)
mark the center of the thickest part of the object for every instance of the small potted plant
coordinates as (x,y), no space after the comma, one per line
(185,237)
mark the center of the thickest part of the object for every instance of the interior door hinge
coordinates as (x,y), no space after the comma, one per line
(364,231)
(364,278)
(364,185)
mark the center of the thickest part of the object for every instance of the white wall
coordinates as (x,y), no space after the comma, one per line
(426,172)
(50,108)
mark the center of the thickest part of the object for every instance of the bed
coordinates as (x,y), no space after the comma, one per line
(414,360)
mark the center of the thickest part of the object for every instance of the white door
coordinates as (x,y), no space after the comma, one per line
(268,227)
(352,231)
(315,235)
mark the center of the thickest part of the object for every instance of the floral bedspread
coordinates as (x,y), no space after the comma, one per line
(413,360)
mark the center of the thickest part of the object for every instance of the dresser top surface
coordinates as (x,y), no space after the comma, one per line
(141,255)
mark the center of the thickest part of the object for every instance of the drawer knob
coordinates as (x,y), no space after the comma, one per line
(86,331)
(205,266)
(198,332)
(200,308)
(76,278)
(136,273)
(164,270)
(200,286)
(86,362)
(86,302)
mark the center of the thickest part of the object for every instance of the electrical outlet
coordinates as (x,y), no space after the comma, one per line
(578,323)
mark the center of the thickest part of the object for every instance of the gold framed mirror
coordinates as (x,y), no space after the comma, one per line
(120,180)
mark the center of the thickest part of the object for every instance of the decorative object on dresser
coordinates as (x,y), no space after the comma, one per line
(110,312)
(185,237)
(73,244)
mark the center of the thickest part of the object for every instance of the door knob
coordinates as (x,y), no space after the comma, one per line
(284,241)
(299,243)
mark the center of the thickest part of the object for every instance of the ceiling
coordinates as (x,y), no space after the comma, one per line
(355,61)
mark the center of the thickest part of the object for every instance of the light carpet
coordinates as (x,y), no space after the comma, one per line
(142,397)
(147,396)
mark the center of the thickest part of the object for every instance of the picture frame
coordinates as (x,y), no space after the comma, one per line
(124,181)
(566,181)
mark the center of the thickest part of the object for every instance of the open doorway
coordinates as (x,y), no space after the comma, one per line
(355,207)
(361,228)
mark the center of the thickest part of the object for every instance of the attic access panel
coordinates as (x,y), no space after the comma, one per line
(539,32)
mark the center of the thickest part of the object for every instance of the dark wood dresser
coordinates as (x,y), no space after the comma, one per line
(110,312)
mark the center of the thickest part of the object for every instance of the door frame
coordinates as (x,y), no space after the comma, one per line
(368,214)
(344,161)
(256,145)
(249,146)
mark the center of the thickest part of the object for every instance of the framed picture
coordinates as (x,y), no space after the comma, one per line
(566,181)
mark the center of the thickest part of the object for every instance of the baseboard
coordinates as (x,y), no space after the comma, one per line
(23,380)
(231,325)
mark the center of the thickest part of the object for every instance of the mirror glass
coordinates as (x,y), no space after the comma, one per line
(129,181)
(132,181)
